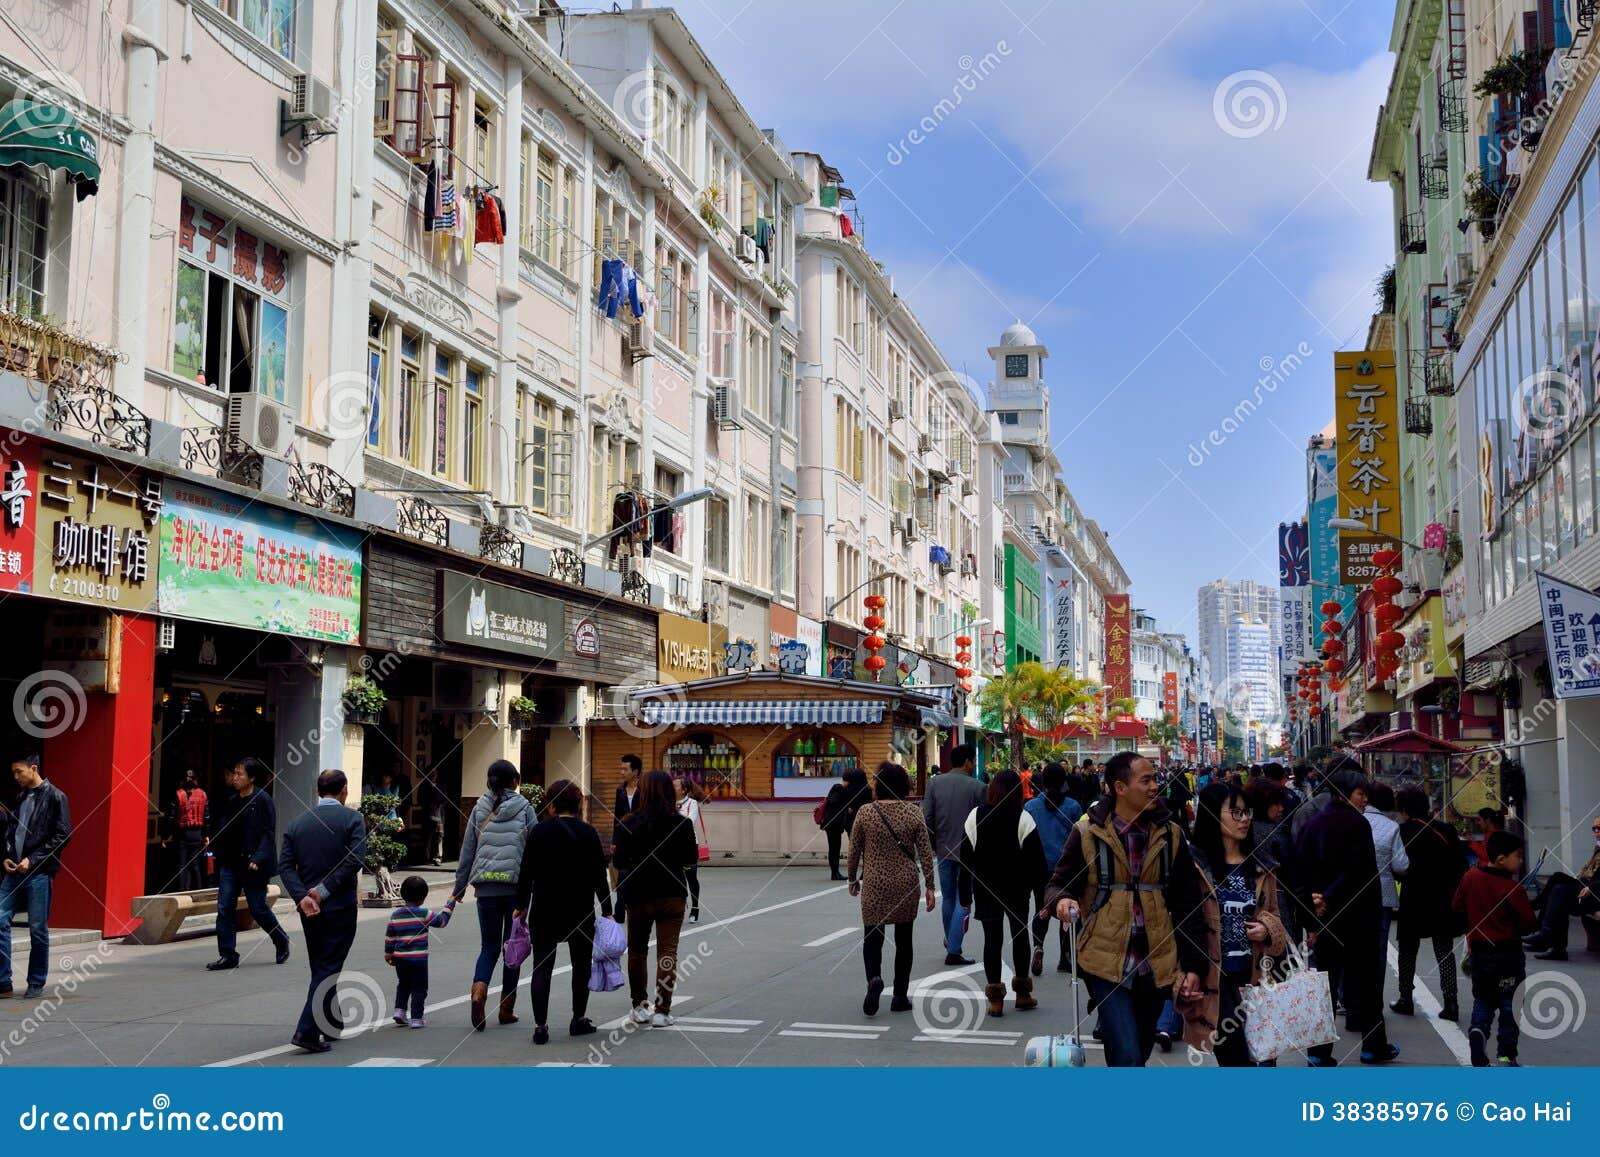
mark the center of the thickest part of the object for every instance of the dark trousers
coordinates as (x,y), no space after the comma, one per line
(329,935)
(1560,903)
(411,987)
(693,876)
(436,839)
(666,917)
(1128,1012)
(1351,956)
(494,926)
(872,954)
(1496,973)
(580,951)
(1444,951)
(230,881)
(1229,1044)
(1041,925)
(191,860)
(835,835)
(34,891)
(994,945)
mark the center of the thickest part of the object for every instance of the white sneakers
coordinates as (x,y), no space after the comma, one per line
(418,1022)
(400,1017)
(641,1014)
(662,1020)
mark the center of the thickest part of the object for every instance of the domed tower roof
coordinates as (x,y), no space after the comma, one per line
(1018,334)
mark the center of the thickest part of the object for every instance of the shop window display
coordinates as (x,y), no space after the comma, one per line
(709,761)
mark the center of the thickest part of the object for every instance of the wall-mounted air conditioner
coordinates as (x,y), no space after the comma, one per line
(260,423)
(310,105)
(726,406)
(897,409)
(747,248)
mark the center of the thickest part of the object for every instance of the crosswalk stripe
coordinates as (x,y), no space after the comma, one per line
(829,1035)
(947,1039)
(392,1063)
(867,1028)
(830,937)
(677,1000)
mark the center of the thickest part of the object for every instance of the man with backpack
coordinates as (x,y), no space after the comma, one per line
(1127,871)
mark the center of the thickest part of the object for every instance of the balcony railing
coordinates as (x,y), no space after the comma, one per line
(1435,372)
(1419,417)
(420,519)
(1453,106)
(497,544)
(316,485)
(566,565)
(1414,233)
(636,587)
(76,375)
(211,450)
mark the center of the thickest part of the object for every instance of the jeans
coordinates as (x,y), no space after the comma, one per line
(329,935)
(1496,973)
(494,926)
(994,945)
(872,955)
(666,917)
(411,992)
(1128,1011)
(1170,1021)
(35,891)
(191,860)
(230,881)
(953,915)
(693,876)
(1444,951)
(1349,954)
(580,951)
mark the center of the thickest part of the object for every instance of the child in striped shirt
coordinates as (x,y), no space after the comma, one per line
(405,945)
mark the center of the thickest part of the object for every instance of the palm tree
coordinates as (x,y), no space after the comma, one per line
(1163,732)
(1045,698)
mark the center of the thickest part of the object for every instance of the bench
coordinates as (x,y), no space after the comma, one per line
(1591,930)
(161,916)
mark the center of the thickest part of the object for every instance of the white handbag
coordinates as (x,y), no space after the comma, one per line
(1288,1015)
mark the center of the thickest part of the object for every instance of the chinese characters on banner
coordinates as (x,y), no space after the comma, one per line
(210,239)
(1169,693)
(1571,638)
(19,510)
(95,521)
(1294,591)
(1119,654)
(1366,417)
(1065,659)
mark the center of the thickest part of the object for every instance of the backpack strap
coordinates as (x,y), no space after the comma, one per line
(1105,869)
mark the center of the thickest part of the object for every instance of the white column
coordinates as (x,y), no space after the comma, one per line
(509,292)
(646,368)
(142,38)
(583,436)
(352,224)
(695,515)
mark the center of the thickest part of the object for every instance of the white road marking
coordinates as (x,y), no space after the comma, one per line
(392,1063)
(830,937)
(678,1000)
(955,1032)
(1428,1005)
(280,1050)
(569,1065)
(963,1039)
(866,1028)
(828,1035)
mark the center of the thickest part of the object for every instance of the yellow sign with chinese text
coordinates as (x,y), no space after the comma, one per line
(1366,407)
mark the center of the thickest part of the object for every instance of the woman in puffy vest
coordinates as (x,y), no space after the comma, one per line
(1002,865)
(491,861)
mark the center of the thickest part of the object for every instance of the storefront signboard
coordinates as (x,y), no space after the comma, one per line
(809,632)
(19,510)
(688,649)
(1571,638)
(227,559)
(1367,413)
(474,612)
(95,525)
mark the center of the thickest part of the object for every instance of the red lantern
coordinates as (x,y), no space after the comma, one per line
(963,641)
(1332,607)
(1387,585)
(1336,685)
(1332,628)
(1332,646)
(1335,666)
(964,657)
(964,672)
(874,622)
(1391,641)
(875,663)
(966,688)
(874,602)
(1386,559)
(1313,711)
(1387,615)
(873,643)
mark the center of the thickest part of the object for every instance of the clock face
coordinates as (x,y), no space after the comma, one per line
(1016,365)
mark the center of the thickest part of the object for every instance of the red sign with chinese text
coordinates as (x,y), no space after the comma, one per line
(19,499)
(1169,693)
(1119,650)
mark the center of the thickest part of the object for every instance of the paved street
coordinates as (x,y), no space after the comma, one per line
(771,976)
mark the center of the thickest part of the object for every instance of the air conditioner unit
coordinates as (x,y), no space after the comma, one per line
(613,703)
(638,340)
(897,409)
(260,423)
(747,248)
(310,103)
(924,443)
(910,528)
(969,567)
(1460,270)
(715,609)
(967,488)
(726,407)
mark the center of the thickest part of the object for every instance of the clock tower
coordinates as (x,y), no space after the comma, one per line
(1019,395)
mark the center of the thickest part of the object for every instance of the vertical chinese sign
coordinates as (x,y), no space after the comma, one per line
(1366,415)
(1571,637)
(1119,655)
(97,521)
(19,510)
(1169,694)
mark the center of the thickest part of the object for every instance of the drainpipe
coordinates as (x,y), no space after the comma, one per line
(142,47)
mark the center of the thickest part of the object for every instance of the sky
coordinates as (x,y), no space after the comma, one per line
(1171,193)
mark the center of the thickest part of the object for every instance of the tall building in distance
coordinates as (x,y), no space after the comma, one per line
(1239,627)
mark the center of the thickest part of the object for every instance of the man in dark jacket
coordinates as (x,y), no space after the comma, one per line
(246,853)
(1438,861)
(1336,874)
(1128,871)
(35,831)
(321,863)
(948,802)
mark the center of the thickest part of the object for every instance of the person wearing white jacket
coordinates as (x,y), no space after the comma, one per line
(1391,850)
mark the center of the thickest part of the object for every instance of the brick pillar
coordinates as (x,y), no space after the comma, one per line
(103,766)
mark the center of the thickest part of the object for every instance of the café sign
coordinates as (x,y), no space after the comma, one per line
(474,612)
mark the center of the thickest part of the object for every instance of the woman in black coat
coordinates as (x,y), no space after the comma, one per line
(839,814)
(1438,861)
(1002,865)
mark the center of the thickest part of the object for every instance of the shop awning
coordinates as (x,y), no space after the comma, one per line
(35,133)
(723,713)
(937,717)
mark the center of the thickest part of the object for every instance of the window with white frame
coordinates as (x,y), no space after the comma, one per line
(757,541)
(547,185)
(269,21)
(545,454)
(613,462)
(717,533)
(24,241)
(756,374)
(874,342)
(674,283)
(849,441)
(787,552)
(786,396)
(617,230)
(674,123)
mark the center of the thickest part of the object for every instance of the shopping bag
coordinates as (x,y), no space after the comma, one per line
(518,945)
(610,942)
(1289,1015)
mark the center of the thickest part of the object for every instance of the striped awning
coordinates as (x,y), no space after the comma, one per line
(937,717)
(722,713)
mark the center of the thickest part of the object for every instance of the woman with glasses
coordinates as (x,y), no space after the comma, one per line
(1241,920)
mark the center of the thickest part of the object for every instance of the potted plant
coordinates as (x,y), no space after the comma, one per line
(524,712)
(534,794)
(1482,203)
(709,196)
(363,700)
(1513,74)
(384,851)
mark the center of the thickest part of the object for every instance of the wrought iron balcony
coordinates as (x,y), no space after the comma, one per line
(96,413)
(211,450)
(1419,417)
(497,544)
(1414,233)
(323,487)
(1453,106)
(636,587)
(77,377)
(1433,177)
(420,519)
(566,565)
(1433,369)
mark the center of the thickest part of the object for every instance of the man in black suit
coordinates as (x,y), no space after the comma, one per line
(322,854)
(627,800)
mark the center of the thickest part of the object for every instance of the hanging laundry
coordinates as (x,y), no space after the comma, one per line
(661,528)
(445,216)
(430,198)
(624,510)
(763,235)
(630,284)
(845,228)
(641,529)
(618,282)
(489,228)
(678,523)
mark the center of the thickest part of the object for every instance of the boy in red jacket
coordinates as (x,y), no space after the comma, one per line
(1498,916)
